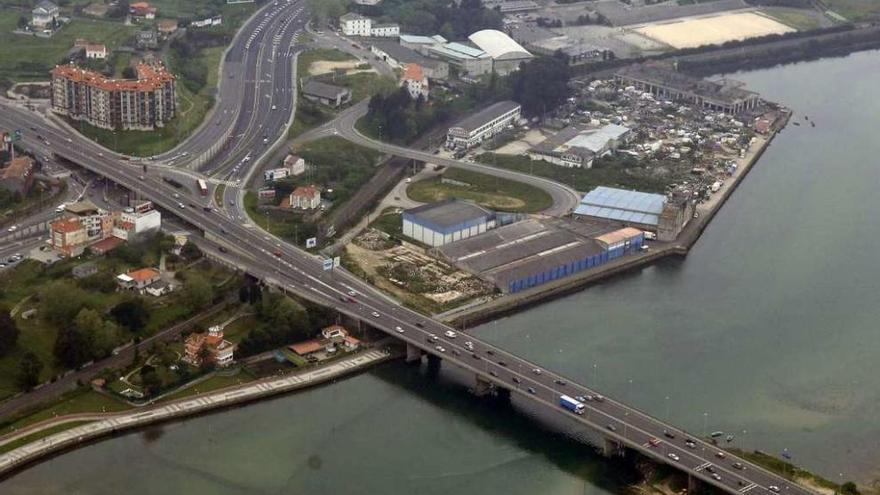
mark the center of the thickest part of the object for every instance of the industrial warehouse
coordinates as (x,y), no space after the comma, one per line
(477,127)
(526,254)
(441,223)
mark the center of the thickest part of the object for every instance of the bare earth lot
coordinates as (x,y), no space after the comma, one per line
(689,33)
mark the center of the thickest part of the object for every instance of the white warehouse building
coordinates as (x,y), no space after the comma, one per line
(473,129)
(449,221)
(506,53)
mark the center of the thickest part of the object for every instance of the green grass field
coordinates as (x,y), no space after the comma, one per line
(800,19)
(28,58)
(856,10)
(83,400)
(491,192)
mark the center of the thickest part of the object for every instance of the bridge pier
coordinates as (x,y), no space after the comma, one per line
(413,353)
(482,387)
(611,448)
(693,484)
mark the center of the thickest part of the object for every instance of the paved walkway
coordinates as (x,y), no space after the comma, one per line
(106,424)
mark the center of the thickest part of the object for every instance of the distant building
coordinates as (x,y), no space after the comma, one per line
(212,345)
(506,53)
(477,127)
(138,280)
(104,246)
(84,270)
(448,221)
(17,175)
(577,147)
(326,94)
(159,288)
(68,236)
(355,25)
(331,339)
(662,81)
(295,164)
(385,30)
(96,52)
(143,104)
(167,27)
(132,223)
(44,14)
(508,6)
(398,56)
(305,198)
(415,81)
(147,39)
(274,174)
(367,2)
(469,60)
(142,10)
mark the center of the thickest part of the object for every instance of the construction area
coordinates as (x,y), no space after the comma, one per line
(713,30)
(406,271)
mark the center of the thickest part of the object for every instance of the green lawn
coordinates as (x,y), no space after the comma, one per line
(800,19)
(287,225)
(581,179)
(84,400)
(40,434)
(191,111)
(32,57)
(856,10)
(216,382)
(491,192)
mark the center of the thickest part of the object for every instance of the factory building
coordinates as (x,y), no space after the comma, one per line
(506,53)
(526,254)
(664,82)
(577,146)
(399,55)
(644,211)
(438,224)
(475,128)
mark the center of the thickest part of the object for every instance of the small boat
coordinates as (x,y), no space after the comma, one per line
(729,438)
(797,123)
(716,434)
(806,117)
(813,124)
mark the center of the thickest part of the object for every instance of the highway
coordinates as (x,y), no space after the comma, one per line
(258,57)
(298,272)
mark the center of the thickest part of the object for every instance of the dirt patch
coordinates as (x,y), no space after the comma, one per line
(328,67)
(714,30)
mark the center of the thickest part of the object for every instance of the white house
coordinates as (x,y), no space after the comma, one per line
(305,198)
(275,174)
(384,30)
(415,81)
(44,13)
(97,52)
(295,164)
(355,25)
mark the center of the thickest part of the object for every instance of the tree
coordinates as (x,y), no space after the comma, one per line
(22,22)
(61,300)
(541,84)
(28,371)
(132,314)
(849,488)
(100,334)
(129,73)
(150,379)
(190,252)
(8,331)
(197,293)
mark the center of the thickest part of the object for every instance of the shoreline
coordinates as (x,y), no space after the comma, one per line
(75,437)
(511,304)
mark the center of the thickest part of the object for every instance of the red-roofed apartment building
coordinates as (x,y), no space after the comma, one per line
(18,175)
(142,104)
(142,9)
(305,197)
(415,81)
(68,236)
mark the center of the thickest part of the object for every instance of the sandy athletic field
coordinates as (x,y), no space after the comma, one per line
(689,33)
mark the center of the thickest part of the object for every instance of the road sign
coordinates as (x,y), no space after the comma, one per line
(328,264)
(311,242)
(337,261)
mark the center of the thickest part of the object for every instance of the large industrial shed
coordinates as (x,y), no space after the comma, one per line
(526,254)
(449,221)
(506,53)
(633,208)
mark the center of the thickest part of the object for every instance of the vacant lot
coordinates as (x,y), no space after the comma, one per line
(713,30)
(491,192)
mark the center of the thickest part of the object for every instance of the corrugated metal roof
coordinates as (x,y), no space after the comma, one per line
(597,140)
(448,213)
(622,205)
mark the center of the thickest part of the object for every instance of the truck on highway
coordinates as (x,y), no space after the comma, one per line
(571,404)
(203,187)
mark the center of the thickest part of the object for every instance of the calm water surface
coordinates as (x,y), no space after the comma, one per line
(768,330)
